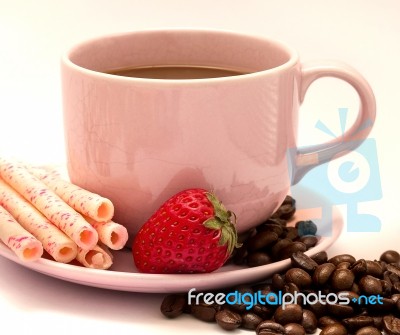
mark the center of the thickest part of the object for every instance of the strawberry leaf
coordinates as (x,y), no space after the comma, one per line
(225,236)
(222,220)
(219,209)
(213,223)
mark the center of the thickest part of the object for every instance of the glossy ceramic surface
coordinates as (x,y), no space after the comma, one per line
(139,141)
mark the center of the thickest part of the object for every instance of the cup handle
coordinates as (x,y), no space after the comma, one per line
(307,158)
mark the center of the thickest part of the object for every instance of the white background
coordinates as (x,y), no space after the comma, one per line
(33,35)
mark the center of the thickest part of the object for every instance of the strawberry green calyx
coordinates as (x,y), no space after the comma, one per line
(222,220)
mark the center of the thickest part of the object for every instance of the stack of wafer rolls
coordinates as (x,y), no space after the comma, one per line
(41,211)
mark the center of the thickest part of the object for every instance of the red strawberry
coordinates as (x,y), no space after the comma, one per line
(191,232)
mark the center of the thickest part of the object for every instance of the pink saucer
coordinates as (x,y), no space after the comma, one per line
(123,275)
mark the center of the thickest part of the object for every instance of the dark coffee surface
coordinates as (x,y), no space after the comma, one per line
(175,72)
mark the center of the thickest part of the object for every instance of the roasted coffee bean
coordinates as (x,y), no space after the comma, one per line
(385,306)
(395,297)
(290,233)
(173,305)
(355,288)
(356,322)
(291,288)
(289,200)
(370,330)
(263,286)
(343,265)
(301,260)
(391,325)
(393,268)
(240,307)
(359,268)
(309,240)
(286,211)
(342,258)
(340,311)
(227,319)
(351,295)
(278,221)
(269,327)
(389,276)
(298,277)
(293,247)
(269,237)
(276,215)
(326,320)
(318,308)
(261,240)
(393,278)
(386,287)
(395,283)
(291,313)
(383,265)
(378,321)
(271,227)
(320,257)
(370,285)
(263,311)
(258,258)
(277,282)
(276,249)
(374,268)
(294,329)
(342,279)
(390,256)
(244,288)
(240,255)
(323,273)
(308,291)
(362,312)
(309,321)
(243,237)
(334,329)
(250,320)
(204,312)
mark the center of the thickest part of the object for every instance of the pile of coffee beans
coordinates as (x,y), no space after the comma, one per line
(274,240)
(372,289)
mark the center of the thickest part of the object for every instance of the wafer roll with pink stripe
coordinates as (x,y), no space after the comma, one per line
(87,203)
(49,204)
(112,234)
(55,242)
(97,258)
(20,241)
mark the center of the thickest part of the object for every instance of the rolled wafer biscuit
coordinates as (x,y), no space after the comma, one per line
(20,241)
(112,234)
(90,204)
(55,242)
(49,204)
(97,258)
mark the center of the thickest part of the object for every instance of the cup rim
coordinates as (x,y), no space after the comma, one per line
(293,57)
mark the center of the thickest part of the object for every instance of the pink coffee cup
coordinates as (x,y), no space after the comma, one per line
(138,141)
